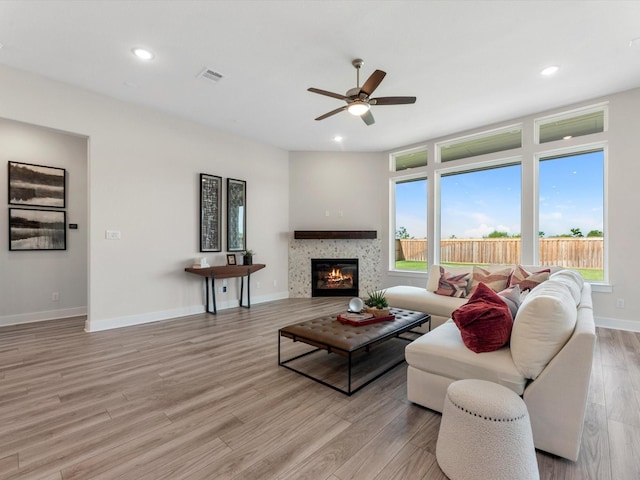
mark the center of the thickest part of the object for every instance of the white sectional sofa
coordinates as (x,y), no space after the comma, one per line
(547,361)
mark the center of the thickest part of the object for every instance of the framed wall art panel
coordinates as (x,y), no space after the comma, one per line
(210,213)
(236,215)
(36,185)
(35,229)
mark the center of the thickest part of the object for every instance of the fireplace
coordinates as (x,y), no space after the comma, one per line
(334,277)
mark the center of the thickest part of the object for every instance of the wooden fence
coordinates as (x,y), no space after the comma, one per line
(567,252)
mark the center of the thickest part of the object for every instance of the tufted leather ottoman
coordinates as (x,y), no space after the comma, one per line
(328,334)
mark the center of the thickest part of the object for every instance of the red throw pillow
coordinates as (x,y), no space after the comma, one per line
(484,322)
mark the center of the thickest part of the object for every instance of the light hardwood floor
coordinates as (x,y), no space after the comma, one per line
(202,397)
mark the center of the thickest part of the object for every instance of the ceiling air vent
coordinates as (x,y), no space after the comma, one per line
(210,75)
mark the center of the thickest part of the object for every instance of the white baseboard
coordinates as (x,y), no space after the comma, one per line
(41,316)
(130,320)
(618,324)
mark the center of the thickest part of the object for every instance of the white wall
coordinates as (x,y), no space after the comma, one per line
(29,278)
(351,187)
(143,181)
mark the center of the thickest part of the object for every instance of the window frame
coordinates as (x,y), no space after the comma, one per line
(416,174)
(572,151)
(528,155)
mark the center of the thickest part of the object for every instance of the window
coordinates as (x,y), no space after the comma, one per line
(574,124)
(480,216)
(506,196)
(571,212)
(409,159)
(481,144)
(411,224)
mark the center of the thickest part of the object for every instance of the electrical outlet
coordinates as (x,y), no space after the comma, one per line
(220,289)
(257,284)
(620,303)
(55,296)
(224,289)
(275,283)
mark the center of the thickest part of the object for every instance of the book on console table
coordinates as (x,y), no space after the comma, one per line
(362,318)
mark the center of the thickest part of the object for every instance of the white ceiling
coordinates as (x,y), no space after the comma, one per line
(469,63)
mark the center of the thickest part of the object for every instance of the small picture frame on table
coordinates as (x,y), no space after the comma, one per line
(231,259)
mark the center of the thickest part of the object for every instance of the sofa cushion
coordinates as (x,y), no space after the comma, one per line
(442,352)
(572,279)
(494,276)
(528,280)
(485,322)
(421,300)
(453,284)
(542,326)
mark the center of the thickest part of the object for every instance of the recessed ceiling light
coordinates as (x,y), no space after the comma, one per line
(142,54)
(550,70)
(337,138)
(634,42)
(567,137)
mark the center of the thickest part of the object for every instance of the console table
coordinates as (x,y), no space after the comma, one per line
(226,271)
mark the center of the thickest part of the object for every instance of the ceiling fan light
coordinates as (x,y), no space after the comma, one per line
(358,108)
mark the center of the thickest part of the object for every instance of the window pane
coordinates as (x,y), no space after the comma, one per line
(575,126)
(411,225)
(481,145)
(571,214)
(409,160)
(480,216)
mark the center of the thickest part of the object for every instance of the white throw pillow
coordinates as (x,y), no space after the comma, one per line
(542,326)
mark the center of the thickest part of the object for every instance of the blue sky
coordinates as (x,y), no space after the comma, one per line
(475,204)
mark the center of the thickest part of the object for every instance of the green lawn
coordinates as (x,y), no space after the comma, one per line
(412,266)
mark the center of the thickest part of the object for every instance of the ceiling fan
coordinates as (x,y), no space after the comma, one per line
(359,99)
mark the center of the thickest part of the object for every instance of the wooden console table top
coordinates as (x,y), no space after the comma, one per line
(226,271)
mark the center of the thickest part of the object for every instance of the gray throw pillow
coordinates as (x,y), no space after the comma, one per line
(513,298)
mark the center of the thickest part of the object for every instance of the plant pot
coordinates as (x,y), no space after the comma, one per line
(247,260)
(378,312)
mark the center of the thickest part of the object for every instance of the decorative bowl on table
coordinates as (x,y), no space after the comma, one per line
(378,312)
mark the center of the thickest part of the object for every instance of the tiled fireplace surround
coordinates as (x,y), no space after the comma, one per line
(367,251)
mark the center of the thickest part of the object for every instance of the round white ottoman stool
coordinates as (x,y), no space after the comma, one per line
(485,433)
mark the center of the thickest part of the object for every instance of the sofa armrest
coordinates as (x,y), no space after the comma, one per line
(557,399)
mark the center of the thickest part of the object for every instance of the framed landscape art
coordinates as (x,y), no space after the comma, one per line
(35,229)
(36,185)
(210,215)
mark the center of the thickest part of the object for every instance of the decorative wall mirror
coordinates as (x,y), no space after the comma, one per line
(210,213)
(236,215)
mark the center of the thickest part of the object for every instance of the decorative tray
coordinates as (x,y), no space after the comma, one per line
(358,319)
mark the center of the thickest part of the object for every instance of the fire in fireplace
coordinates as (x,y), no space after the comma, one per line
(334,277)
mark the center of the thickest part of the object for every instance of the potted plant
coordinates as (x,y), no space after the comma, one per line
(377,303)
(247,257)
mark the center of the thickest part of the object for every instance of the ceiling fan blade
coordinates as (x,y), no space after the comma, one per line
(367,118)
(332,112)
(392,100)
(328,94)
(372,82)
